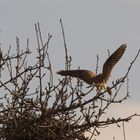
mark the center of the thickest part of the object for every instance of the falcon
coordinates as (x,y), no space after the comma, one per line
(98,80)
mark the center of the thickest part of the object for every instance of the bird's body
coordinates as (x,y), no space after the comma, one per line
(99,80)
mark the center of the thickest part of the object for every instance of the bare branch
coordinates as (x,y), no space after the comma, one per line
(34,107)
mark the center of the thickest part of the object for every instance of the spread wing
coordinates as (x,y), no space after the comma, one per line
(112,61)
(84,75)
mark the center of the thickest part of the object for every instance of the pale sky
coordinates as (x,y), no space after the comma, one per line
(91,27)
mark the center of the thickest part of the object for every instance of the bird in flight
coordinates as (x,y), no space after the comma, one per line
(98,80)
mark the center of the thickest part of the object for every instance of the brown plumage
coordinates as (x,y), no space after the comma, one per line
(100,80)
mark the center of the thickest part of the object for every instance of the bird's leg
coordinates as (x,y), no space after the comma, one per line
(109,91)
(98,89)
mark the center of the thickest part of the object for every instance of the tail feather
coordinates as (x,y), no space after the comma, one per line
(84,75)
(72,73)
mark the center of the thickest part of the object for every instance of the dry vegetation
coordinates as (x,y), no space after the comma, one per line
(32,106)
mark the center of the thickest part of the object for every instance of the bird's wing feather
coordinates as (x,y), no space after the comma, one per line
(112,61)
